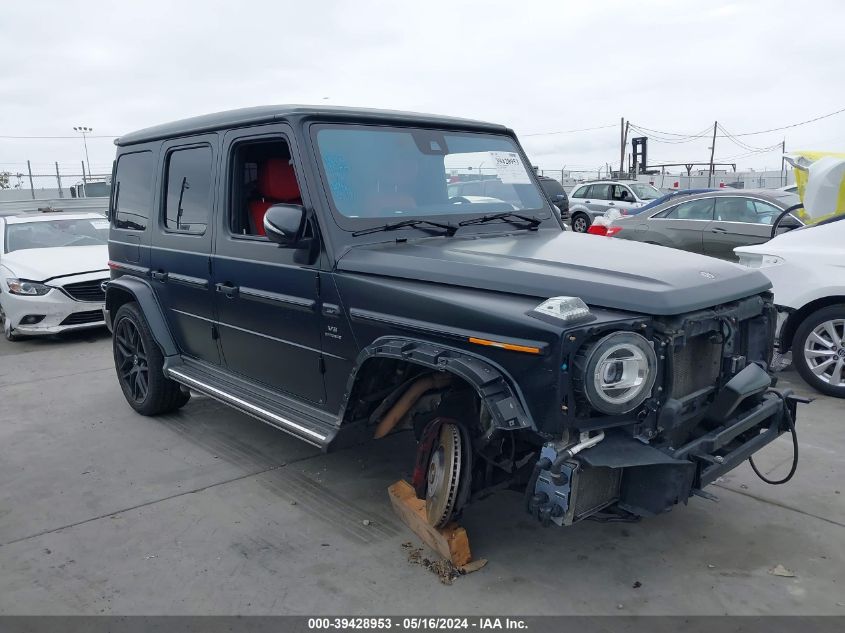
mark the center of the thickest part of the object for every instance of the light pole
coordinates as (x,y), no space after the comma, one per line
(84,129)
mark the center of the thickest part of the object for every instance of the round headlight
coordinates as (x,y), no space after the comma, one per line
(619,372)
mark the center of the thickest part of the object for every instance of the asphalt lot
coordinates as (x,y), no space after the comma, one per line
(210,512)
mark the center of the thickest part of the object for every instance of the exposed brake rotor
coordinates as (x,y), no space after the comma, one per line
(444,476)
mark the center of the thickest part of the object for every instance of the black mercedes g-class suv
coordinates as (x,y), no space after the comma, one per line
(307,267)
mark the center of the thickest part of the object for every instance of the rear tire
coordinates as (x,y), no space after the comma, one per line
(139,365)
(818,350)
(581,222)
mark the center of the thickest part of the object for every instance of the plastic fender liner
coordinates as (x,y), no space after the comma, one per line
(497,391)
(144,295)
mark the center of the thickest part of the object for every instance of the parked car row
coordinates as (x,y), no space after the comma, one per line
(492,189)
(590,200)
(712,223)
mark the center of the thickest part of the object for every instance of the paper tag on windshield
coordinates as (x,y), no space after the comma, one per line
(100,224)
(509,168)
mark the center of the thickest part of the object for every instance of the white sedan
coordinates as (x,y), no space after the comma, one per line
(807,270)
(52,269)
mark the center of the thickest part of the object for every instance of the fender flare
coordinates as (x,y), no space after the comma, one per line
(143,293)
(497,390)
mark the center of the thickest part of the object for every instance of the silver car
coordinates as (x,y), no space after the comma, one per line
(592,199)
(712,223)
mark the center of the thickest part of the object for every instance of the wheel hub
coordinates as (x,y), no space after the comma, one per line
(131,359)
(824,352)
(443,479)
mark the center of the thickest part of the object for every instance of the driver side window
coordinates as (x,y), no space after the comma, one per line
(766,213)
(736,210)
(262,175)
(620,192)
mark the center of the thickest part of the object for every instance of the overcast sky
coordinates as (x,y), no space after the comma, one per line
(672,66)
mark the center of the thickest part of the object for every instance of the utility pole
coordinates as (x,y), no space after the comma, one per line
(623,139)
(31,186)
(59,181)
(712,151)
(84,129)
(783,164)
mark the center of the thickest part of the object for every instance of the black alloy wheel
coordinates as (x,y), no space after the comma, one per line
(131,359)
(139,365)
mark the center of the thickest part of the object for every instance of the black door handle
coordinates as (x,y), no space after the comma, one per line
(159,275)
(718,229)
(227,289)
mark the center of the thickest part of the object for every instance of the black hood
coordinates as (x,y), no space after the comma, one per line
(605,272)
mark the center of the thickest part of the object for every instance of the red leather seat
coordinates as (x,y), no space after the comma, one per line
(276,185)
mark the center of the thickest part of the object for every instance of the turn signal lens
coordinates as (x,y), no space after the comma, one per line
(564,308)
(509,346)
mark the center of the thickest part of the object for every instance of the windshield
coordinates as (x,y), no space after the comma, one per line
(646,192)
(399,173)
(56,233)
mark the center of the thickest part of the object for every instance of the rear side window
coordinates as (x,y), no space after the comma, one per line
(188,190)
(693,210)
(133,192)
(600,192)
(581,192)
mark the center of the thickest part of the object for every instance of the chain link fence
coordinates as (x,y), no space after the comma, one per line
(47,181)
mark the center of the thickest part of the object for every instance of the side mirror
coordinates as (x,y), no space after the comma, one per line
(285,224)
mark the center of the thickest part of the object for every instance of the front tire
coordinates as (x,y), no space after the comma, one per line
(818,350)
(139,364)
(8,332)
(581,222)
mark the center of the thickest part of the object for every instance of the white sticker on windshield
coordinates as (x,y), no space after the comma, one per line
(509,168)
(100,224)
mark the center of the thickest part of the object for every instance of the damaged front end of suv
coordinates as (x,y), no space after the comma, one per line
(620,402)
(655,409)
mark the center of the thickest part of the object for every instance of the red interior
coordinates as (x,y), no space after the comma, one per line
(276,184)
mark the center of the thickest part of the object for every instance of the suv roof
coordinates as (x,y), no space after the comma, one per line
(271,113)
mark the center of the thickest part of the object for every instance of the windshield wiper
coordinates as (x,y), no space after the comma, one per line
(507,216)
(408,224)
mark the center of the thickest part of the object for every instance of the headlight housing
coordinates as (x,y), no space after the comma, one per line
(619,371)
(27,288)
